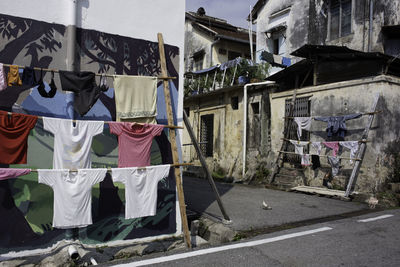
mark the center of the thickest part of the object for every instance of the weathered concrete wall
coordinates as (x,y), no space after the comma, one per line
(228,129)
(346,98)
(308,23)
(297,24)
(196,40)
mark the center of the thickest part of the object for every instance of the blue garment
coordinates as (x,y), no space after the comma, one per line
(337,124)
(286,61)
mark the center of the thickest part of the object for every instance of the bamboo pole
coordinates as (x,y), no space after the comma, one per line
(174,148)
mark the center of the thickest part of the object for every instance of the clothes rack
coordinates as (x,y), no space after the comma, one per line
(97,74)
(323,156)
(41,117)
(363,114)
(141,168)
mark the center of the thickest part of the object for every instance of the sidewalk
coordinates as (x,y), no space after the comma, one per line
(244,205)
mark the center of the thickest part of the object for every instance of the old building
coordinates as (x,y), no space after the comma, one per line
(210,41)
(346,53)
(364,25)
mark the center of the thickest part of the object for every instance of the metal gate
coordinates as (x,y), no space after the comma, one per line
(301,109)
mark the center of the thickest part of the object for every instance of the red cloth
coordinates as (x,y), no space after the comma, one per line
(134,142)
(14,132)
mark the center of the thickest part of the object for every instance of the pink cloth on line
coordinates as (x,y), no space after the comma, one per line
(134,142)
(332,145)
(7,173)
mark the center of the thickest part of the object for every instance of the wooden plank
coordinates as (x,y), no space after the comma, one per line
(174,148)
(319,190)
(363,146)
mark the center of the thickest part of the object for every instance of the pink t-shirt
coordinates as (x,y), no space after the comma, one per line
(6,173)
(134,142)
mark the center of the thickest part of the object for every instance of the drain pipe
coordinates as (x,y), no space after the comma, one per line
(245,120)
(371,14)
(71,63)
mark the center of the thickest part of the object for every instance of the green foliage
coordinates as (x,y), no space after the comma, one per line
(218,173)
(261,173)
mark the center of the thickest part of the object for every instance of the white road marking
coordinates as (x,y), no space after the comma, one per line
(376,218)
(223,248)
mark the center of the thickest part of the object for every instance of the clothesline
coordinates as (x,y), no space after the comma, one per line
(309,142)
(324,156)
(366,113)
(41,117)
(97,74)
(140,168)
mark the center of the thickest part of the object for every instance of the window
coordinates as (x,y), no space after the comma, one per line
(235,102)
(207,135)
(233,55)
(222,51)
(339,18)
(198,59)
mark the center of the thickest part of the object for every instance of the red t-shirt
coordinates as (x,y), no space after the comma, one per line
(14,132)
(134,142)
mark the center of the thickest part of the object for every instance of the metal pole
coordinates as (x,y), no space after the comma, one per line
(205,168)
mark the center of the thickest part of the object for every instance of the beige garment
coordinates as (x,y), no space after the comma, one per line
(135,98)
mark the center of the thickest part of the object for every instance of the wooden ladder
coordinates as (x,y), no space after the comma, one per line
(362,148)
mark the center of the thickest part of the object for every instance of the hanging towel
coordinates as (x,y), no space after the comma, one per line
(13,76)
(72,195)
(83,84)
(337,124)
(72,144)
(317,146)
(134,142)
(303,123)
(286,61)
(14,132)
(136,98)
(3,81)
(335,164)
(298,146)
(353,146)
(277,59)
(305,160)
(332,145)
(7,173)
(140,188)
(29,77)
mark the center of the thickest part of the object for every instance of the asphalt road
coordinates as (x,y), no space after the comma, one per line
(347,242)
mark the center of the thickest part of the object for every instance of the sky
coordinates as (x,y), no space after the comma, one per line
(234,11)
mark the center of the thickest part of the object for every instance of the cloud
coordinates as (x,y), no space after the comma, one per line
(234,11)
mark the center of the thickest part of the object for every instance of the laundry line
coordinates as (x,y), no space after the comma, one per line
(324,156)
(41,117)
(310,142)
(139,168)
(312,117)
(97,74)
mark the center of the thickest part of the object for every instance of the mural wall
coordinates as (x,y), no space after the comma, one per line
(27,205)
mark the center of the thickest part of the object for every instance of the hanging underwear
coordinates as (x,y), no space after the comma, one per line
(83,84)
(28,77)
(13,76)
(41,87)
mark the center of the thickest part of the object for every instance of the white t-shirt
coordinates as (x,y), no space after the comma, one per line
(72,143)
(140,188)
(72,195)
